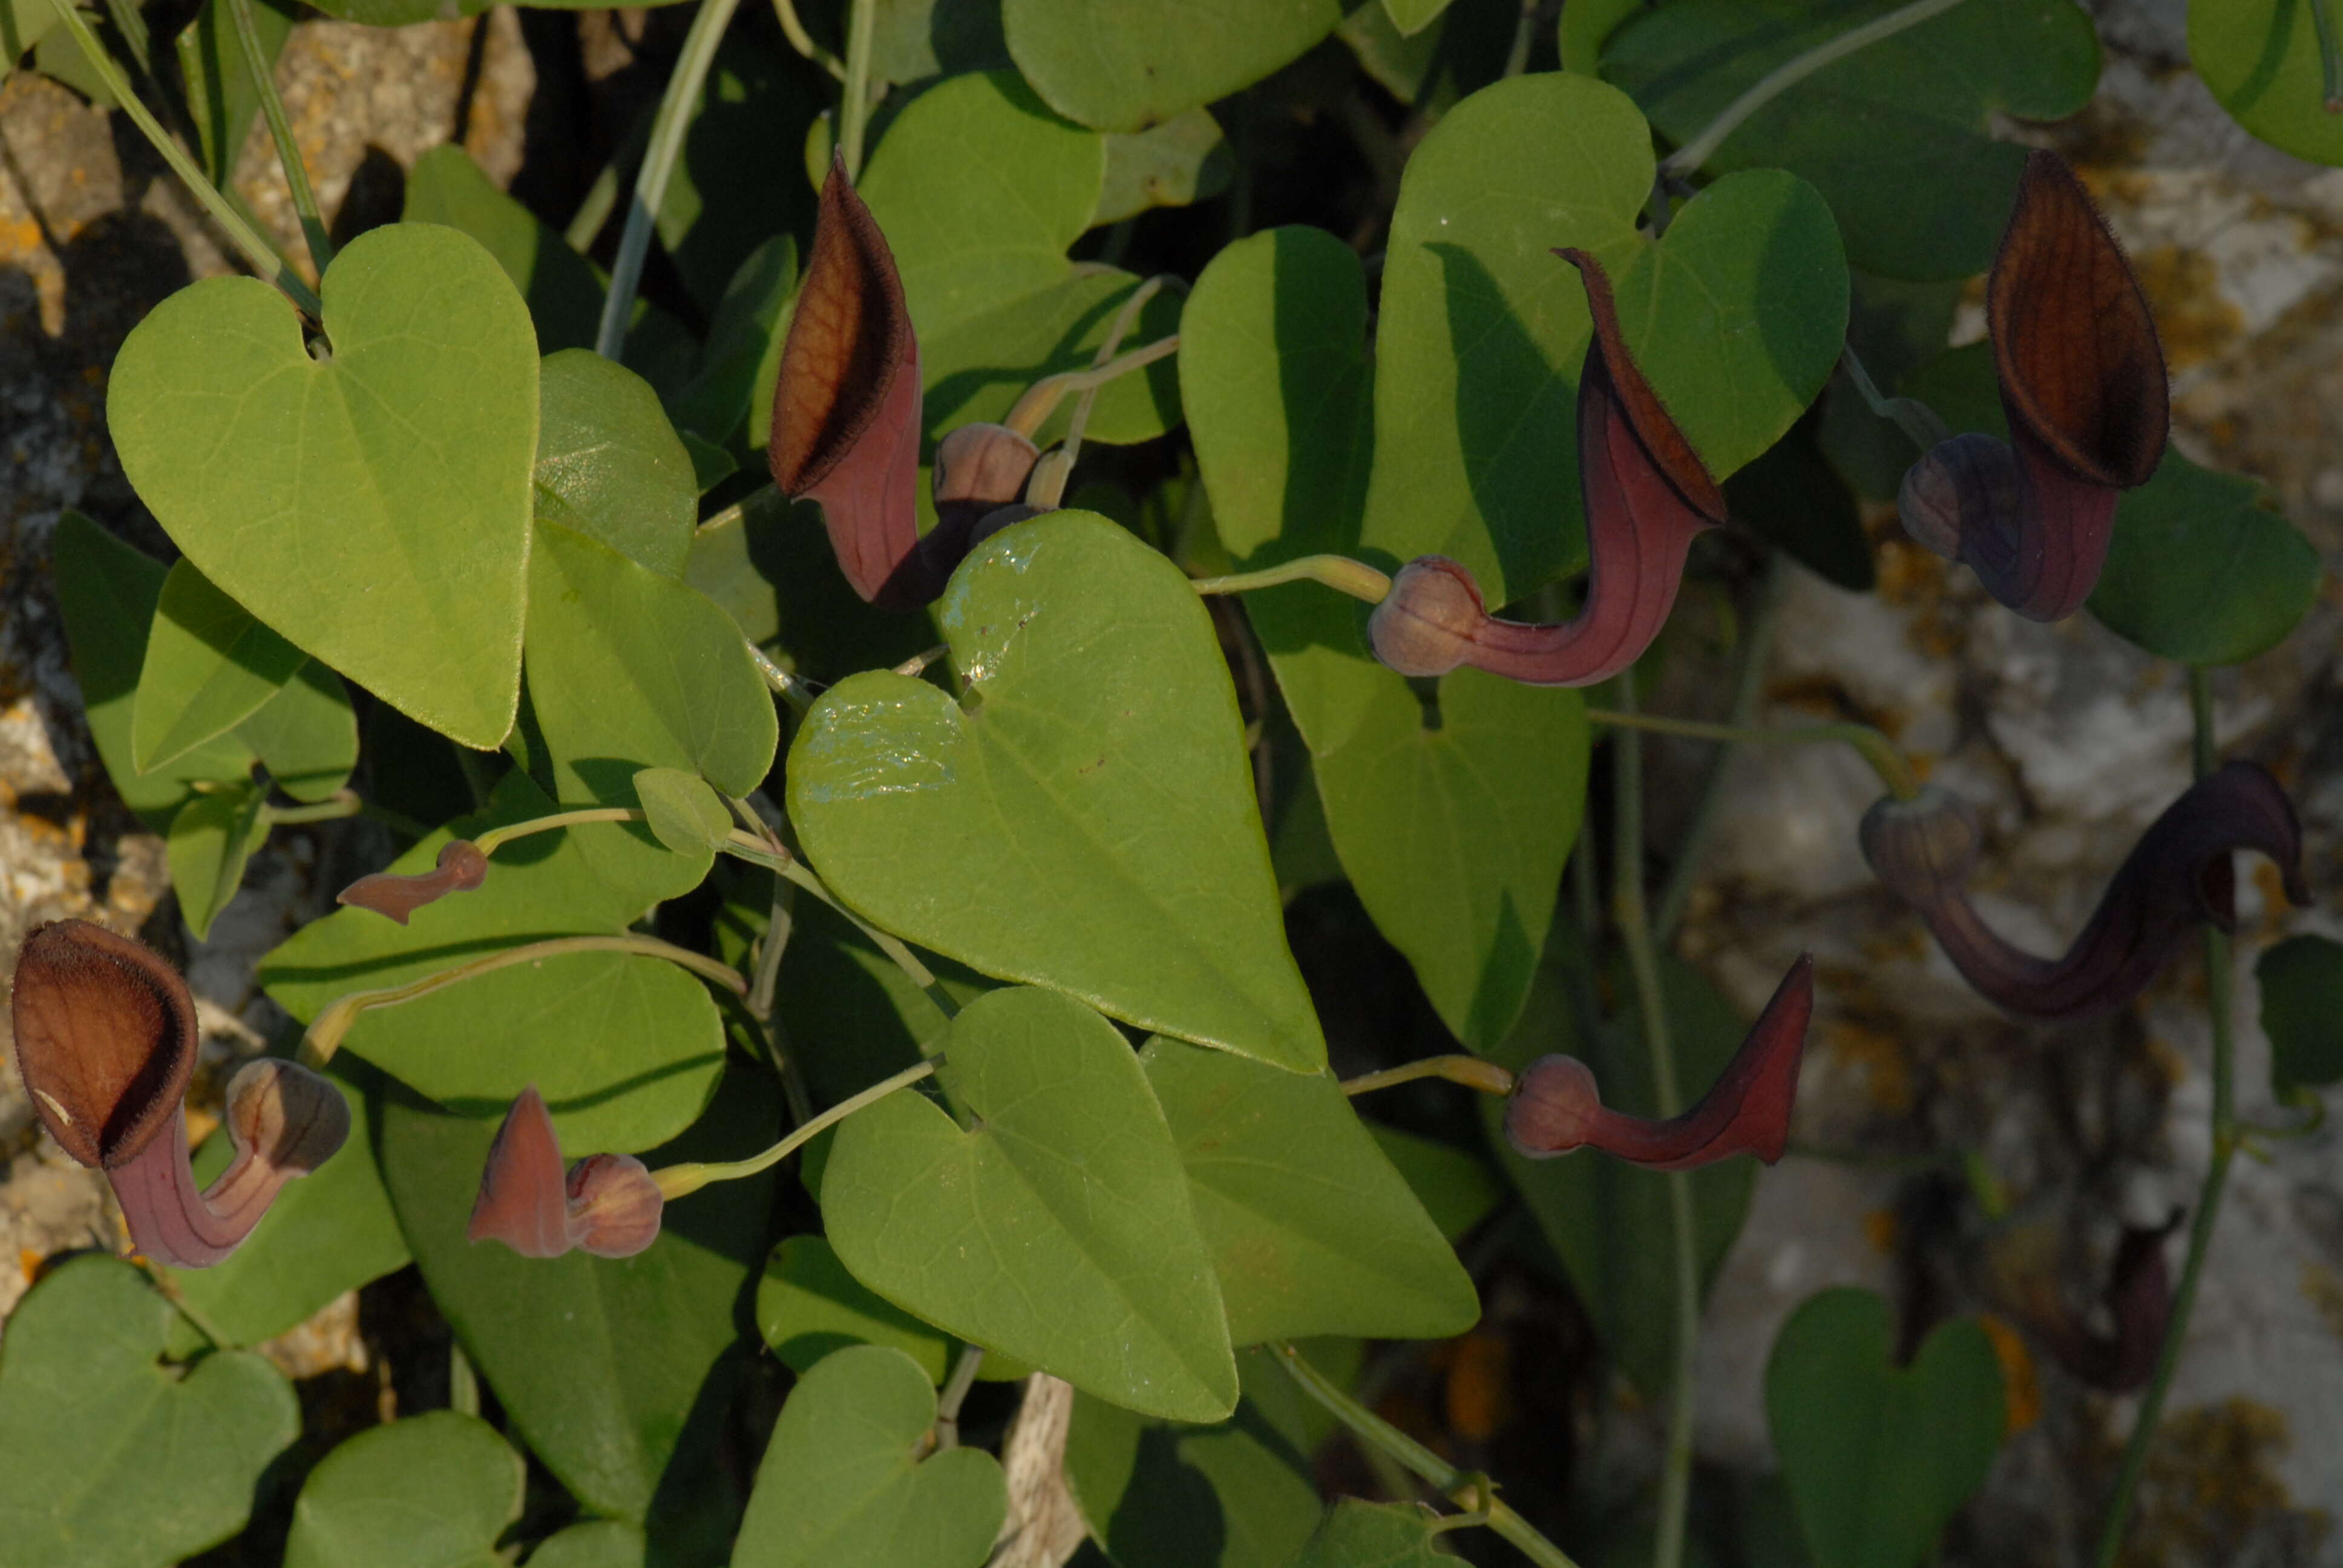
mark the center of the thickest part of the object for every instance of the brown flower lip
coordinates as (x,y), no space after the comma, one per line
(1556,1108)
(847,402)
(2176,877)
(1646,496)
(606,1205)
(105,1039)
(461,869)
(2083,382)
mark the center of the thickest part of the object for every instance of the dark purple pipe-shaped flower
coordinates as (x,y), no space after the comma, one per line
(609,1204)
(1556,1108)
(1646,495)
(2140,1303)
(2177,876)
(2083,382)
(106,1041)
(461,869)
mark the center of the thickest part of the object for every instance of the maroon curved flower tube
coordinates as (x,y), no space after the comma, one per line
(462,868)
(2083,382)
(2176,877)
(607,1205)
(105,1042)
(1557,1107)
(1646,496)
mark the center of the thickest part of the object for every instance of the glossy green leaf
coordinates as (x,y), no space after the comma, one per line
(1127,65)
(1160,1494)
(625,1048)
(437,1488)
(1922,99)
(732,392)
(330,1231)
(1878,1457)
(2260,58)
(307,736)
(614,1372)
(2301,981)
(1357,1534)
(390,539)
(1609,1220)
(107,592)
(1458,1189)
(609,464)
(843,1483)
(807,1306)
(1310,1229)
(1185,159)
(222,99)
(1057,1228)
(595,1543)
(210,840)
(2203,567)
(1084,817)
(117,1460)
(685,814)
(1455,836)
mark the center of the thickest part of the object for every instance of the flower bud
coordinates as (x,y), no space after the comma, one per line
(981,467)
(286,1116)
(614,1205)
(1554,1108)
(1425,625)
(1921,848)
(461,869)
(1956,490)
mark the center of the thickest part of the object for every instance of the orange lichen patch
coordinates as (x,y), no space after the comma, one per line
(1880,1229)
(1476,1393)
(19,236)
(2211,1478)
(2195,319)
(1879,1056)
(2165,1059)
(2021,1389)
(1913,579)
(2324,1291)
(29,1263)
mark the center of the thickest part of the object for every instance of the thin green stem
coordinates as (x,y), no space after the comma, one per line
(1628,912)
(1756,646)
(1921,425)
(1517,57)
(757,852)
(854,109)
(1341,573)
(674,117)
(1886,759)
(132,25)
(280,130)
(1042,399)
(1466,1491)
(463,1383)
(495,839)
(788,687)
(326,1033)
(1472,1071)
(778,922)
(1789,73)
(2330,58)
(678,1181)
(1076,426)
(2221,1001)
(802,41)
(955,1394)
(272,267)
(342,803)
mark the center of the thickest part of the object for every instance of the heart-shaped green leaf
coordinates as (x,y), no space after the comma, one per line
(390,538)
(307,736)
(808,1306)
(1127,65)
(107,592)
(563,291)
(331,1231)
(1083,818)
(1922,99)
(2261,60)
(1455,836)
(1185,159)
(1877,1457)
(1160,1494)
(211,839)
(1358,1535)
(437,1488)
(2301,981)
(2203,567)
(684,813)
(1601,1214)
(625,1048)
(209,666)
(1057,1228)
(610,466)
(116,1460)
(614,1372)
(1310,1229)
(980,190)
(842,1484)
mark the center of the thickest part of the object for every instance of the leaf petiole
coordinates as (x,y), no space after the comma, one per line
(280,130)
(495,839)
(680,1180)
(758,852)
(1886,759)
(1341,573)
(1472,1071)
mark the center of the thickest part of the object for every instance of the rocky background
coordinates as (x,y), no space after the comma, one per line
(2068,739)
